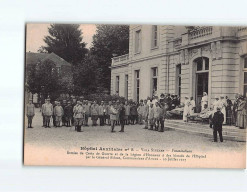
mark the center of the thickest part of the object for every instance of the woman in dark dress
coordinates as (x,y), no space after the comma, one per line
(228,111)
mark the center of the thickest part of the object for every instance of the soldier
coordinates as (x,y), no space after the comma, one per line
(42,111)
(74,111)
(218,120)
(140,111)
(59,113)
(30,113)
(122,116)
(48,111)
(86,108)
(68,114)
(108,113)
(127,113)
(145,114)
(113,116)
(94,113)
(64,104)
(53,115)
(150,116)
(101,113)
(79,115)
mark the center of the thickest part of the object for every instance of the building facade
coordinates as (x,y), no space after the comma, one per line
(186,61)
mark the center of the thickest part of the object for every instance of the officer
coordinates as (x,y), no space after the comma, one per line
(30,113)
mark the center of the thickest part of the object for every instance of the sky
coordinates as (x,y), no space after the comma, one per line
(37,32)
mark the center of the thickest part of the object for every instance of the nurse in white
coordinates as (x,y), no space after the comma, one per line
(186,108)
(204,100)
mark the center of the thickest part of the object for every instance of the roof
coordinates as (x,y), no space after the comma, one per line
(34,58)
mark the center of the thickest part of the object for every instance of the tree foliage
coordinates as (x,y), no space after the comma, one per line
(43,78)
(85,76)
(65,40)
(108,40)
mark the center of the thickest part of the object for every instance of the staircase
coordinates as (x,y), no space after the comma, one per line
(229,132)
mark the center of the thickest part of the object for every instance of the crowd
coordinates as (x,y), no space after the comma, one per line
(151,112)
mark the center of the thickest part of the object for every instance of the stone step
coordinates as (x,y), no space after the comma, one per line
(197,125)
(234,135)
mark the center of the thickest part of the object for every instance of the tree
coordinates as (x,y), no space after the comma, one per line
(85,75)
(43,78)
(108,40)
(65,40)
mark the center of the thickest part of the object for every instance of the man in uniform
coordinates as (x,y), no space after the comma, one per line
(48,111)
(64,104)
(122,116)
(59,113)
(68,114)
(42,111)
(30,113)
(101,113)
(79,112)
(94,113)
(86,108)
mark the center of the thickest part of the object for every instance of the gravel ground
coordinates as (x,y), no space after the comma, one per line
(134,136)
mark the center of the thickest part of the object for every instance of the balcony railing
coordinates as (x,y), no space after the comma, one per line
(242,28)
(200,32)
(120,59)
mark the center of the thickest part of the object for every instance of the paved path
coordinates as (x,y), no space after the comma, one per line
(134,136)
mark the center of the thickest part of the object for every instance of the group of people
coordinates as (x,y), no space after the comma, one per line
(151,112)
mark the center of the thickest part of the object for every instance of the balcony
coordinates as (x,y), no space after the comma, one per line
(200,32)
(241,31)
(120,60)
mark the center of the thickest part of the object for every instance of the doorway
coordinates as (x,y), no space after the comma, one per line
(202,74)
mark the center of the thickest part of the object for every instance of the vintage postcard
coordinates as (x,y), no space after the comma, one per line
(135,95)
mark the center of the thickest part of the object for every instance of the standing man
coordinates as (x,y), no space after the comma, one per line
(64,104)
(53,115)
(145,114)
(86,108)
(94,113)
(140,111)
(42,111)
(48,111)
(151,116)
(122,116)
(78,113)
(217,124)
(101,114)
(59,113)
(113,116)
(68,114)
(127,113)
(30,113)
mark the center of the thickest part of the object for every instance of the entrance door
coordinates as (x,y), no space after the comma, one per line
(201,86)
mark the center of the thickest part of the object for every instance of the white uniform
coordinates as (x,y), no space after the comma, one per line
(186,109)
(204,101)
(222,105)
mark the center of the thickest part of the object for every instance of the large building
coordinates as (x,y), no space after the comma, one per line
(186,61)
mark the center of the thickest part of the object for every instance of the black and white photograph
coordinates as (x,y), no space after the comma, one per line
(135,95)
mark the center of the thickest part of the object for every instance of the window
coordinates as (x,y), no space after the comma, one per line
(138,41)
(245,77)
(178,80)
(117,85)
(137,78)
(126,86)
(154,81)
(202,64)
(154,36)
